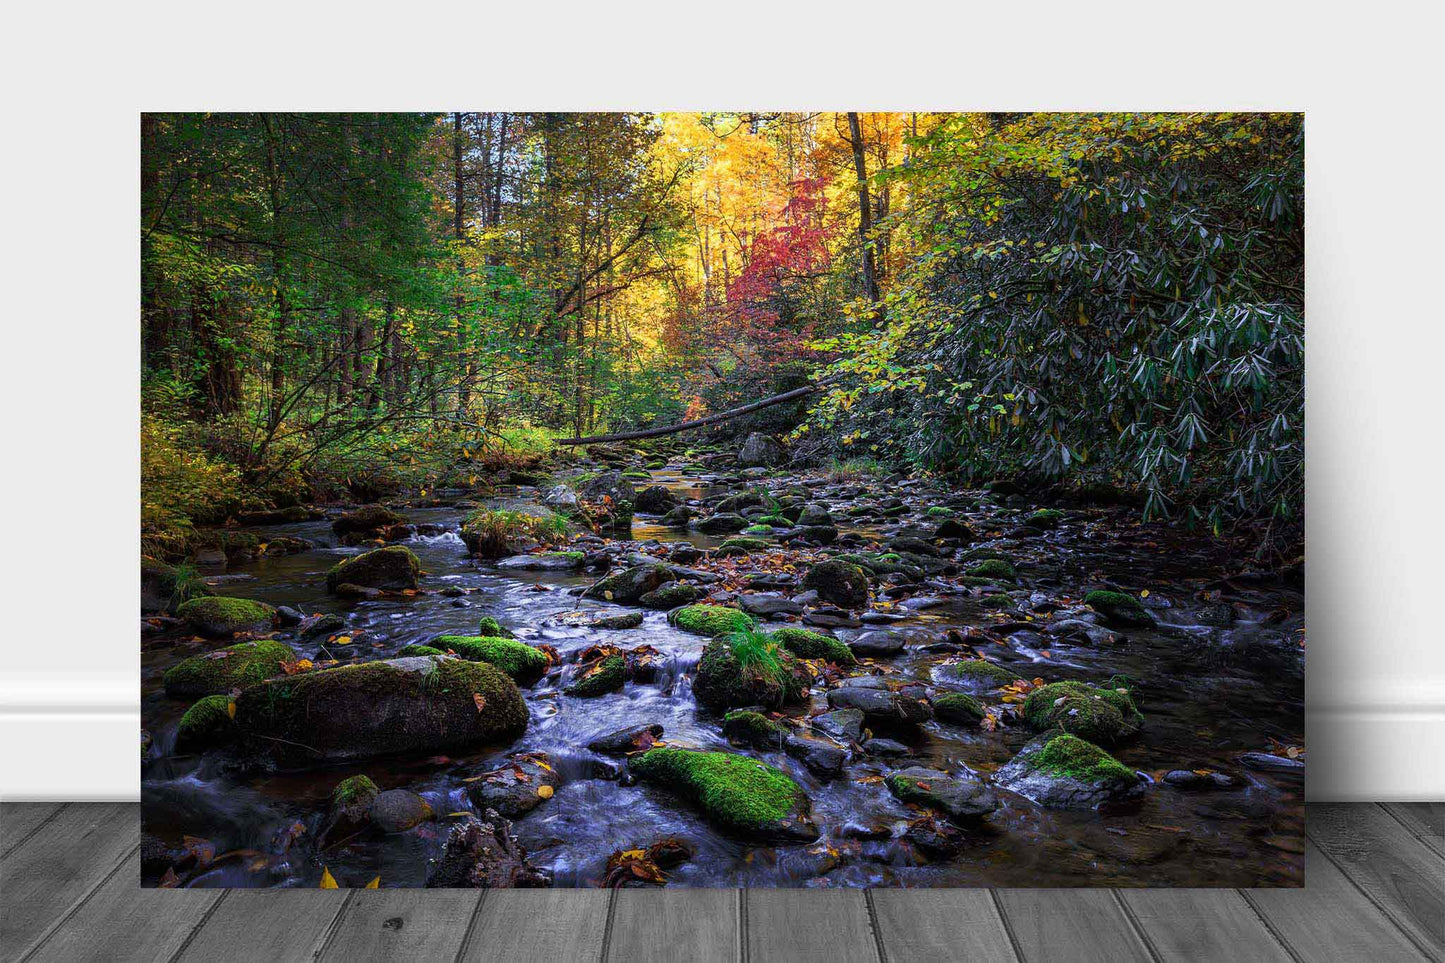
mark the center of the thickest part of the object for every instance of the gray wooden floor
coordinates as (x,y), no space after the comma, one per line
(1375,891)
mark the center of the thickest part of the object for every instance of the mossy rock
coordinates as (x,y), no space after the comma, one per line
(994,568)
(606,676)
(842,583)
(423,704)
(736,793)
(519,660)
(1099,715)
(670,596)
(419,650)
(982,674)
(1045,518)
(631,584)
(959,708)
(352,797)
(773,521)
(393,568)
(491,628)
(749,543)
(722,523)
(1119,608)
(749,728)
(1061,771)
(710,620)
(220,617)
(366,520)
(807,644)
(940,511)
(960,797)
(722,683)
(205,725)
(233,667)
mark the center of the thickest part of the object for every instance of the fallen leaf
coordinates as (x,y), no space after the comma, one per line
(327,880)
(544,792)
(374,884)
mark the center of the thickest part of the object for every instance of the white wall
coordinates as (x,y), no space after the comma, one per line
(1376,680)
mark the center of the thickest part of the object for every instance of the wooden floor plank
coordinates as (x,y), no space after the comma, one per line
(1388,864)
(522,925)
(808,926)
(403,924)
(650,925)
(1069,926)
(1202,925)
(1330,919)
(267,924)
(59,865)
(121,922)
(19,820)
(1426,821)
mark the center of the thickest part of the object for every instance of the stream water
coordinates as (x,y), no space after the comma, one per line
(1205,706)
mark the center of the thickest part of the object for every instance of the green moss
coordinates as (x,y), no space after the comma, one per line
(938,511)
(354,789)
(491,628)
(518,659)
(604,677)
(411,650)
(753,729)
(983,672)
(218,615)
(394,567)
(1099,715)
(1119,607)
(994,568)
(757,530)
(1073,757)
(711,620)
(576,558)
(958,707)
(670,596)
(206,723)
(233,667)
(807,644)
(736,792)
(749,543)
(1045,518)
(774,521)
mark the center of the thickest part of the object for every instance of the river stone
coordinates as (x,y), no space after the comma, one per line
(546,562)
(1097,779)
(678,517)
(882,706)
(320,625)
(723,523)
(721,683)
(840,724)
(961,797)
(823,758)
(885,748)
(397,810)
(656,500)
(515,788)
(760,450)
(219,617)
(394,569)
(627,740)
(841,583)
(368,521)
(1265,762)
(767,605)
(158,586)
(560,497)
(420,704)
(878,643)
(628,586)
(670,596)
(955,529)
(1190,779)
(609,498)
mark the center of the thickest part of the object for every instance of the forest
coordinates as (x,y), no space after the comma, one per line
(361,303)
(722,499)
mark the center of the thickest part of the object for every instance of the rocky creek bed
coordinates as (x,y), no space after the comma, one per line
(958,688)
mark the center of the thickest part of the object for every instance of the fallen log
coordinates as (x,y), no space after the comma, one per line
(703,422)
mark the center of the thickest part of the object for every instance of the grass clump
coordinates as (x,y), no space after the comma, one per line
(490,533)
(851,469)
(518,659)
(807,644)
(1075,758)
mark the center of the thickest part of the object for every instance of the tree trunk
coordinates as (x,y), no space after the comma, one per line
(865,218)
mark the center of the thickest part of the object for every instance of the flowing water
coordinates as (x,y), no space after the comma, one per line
(1203,707)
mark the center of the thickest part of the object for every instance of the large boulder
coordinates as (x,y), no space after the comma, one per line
(842,583)
(760,450)
(710,620)
(421,704)
(392,569)
(723,682)
(1119,609)
(961,797)
(737,793)
(222,670)
(1060,771)
(367,522)
(882,704)
(219,617)
(723,523)
(656,500)
(630,585)
(205,724)
(609,499)
(545,562)
(397,810)
(1100,715)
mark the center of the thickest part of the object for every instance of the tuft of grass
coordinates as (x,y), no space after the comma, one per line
(189,585)
(489,532)
(757,654)
(853,468)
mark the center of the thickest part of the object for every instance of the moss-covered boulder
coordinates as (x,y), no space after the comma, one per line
(631,584)
(220,617)
(206,724)
(608,674)
(959,708)
(408,650)
(1045,518)
(842,583)
(736,793)
(425,704)
(670,596)
(352,797)
(655,500)
(744,727)
(544,562)
(491,628)
(519,660)
(391,569)
(807,644)
(1099,715)
(724,681)
(960,797)
(1060,771)
(981,675)
(1118,608)
(710,620)
(746,544)
(233,667)
(994,568)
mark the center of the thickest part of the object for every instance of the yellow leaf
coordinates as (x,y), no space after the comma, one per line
(231,708)
(327,880)
(341,640)
(544,792)
(374,884)
(1144,594)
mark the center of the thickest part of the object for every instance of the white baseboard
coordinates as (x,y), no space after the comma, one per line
(84,744)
